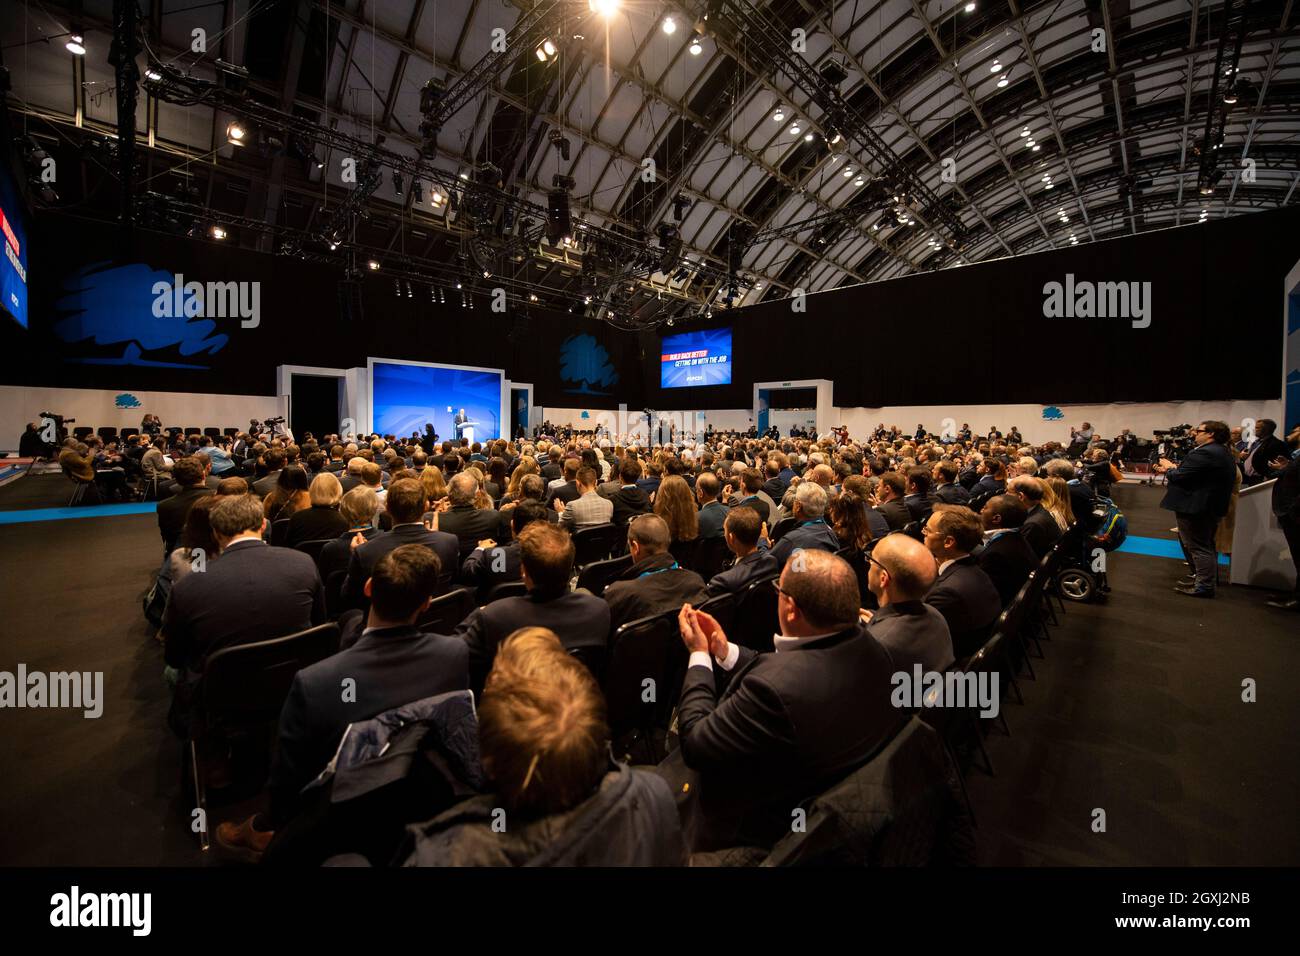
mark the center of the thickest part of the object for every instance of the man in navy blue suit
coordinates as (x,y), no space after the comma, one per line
(1198,494)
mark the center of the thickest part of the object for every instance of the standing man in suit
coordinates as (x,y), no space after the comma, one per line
(406,505)
(900,574)
(1005,556)
(1198,494)
(1266,448)
(1040,528)
(253,592)
(1286,506)
(579,618)
(962,593)
(459,423)
(742,533)
(392,663)
(765,731)
(655,582)
(713,513)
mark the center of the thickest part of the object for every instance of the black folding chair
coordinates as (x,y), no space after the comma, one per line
(598,575)
(756,621)
(242,692)
(648,649)
(447,611)
(595,543)
(334,604)
(81,489)
(313,548)
(279,532)
(686,552)
(506,589)
(712,558)
(594,657)
(781,528)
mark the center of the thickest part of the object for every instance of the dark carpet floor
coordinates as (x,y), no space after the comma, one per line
(1136,711)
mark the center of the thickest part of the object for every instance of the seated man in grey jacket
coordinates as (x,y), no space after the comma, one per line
(557,798)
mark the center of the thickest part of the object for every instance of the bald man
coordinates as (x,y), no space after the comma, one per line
(767,730)
(900,574)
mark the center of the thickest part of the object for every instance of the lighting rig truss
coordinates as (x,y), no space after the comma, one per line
(1235,20)
(744,24)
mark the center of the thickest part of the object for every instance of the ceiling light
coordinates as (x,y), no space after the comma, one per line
(373,265)
(836,139)
(75,44)
(1230,95)
(794,130)
(464,175)
(1037,148)
(1025,131)
(779,115)
(970,8)
(1048,186)
(606,8)
(996,67)
(669,26)
(436,198)
(152,74)
(216,232)
(696,46)
(875,226)
(807,137)
(848,171)
(235,133)
(1003,82)
(859,181)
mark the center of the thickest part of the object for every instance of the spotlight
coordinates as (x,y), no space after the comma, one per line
(859,181)
(373,265)
(1037,147)
(606,8)
(807,137)
(970,8)
(696,46)
(1003,82)
(996,67)
(216,232)
(547,50)
(151,74)
(835,140)
(75,44)
(669,26)
(794,130)
(848,171)
(779,115)
(437,197)
(235,133)
(320,164)
(1230,95)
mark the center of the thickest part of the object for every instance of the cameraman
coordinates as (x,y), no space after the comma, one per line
(1198,494)
(1286,506)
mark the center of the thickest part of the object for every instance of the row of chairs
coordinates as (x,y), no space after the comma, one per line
(111,433)
(1015,640)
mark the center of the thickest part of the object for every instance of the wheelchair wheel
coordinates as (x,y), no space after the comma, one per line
(1076,584)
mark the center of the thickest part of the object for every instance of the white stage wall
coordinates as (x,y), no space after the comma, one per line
(93,408)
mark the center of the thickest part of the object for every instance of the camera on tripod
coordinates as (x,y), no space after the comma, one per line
(1177,440)
(59,418)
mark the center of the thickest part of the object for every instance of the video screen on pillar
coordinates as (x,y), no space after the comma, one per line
(693,359)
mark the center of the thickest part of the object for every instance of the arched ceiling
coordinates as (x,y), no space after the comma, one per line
(1113,96)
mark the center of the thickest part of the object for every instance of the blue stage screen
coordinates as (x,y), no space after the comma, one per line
(13,236)
(695,358)
(404,397)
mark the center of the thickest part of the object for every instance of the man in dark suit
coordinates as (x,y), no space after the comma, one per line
(579,618)
(406,505)
(993,478)
(492,563)
(655,582)
(568,489)
(1005,556)
(774,487)
(1286,506)
(708,491)
(274,463)
(962,593)
(392,663)
(919,500)
(1040,528)
(252,592)
(1198,494)
(890,494)
(173,511)
(900,573)
(628,500)
(458,423)
(811,530)
(766,731)
(1266,448)
(946,488)
(468,523)
(741,531)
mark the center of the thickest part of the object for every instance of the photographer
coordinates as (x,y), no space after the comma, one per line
(1199,491)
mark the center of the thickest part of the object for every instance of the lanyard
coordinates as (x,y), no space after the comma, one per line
(814,521)
(672,567)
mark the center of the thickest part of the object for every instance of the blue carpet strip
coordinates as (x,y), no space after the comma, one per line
(88,511)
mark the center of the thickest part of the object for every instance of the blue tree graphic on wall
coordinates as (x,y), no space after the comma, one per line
(585,361)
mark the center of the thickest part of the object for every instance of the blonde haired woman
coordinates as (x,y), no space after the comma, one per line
(1056,499)
(435,486)
(322,519)
(527,466)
